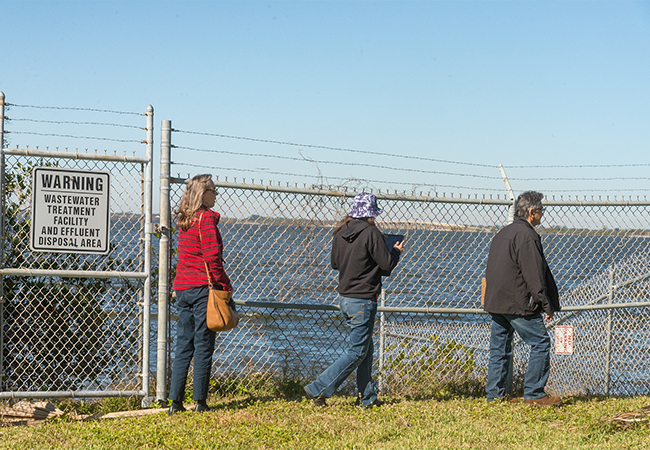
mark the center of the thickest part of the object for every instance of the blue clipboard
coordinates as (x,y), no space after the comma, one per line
(392,239)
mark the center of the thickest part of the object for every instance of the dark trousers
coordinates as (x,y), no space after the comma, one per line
(193,339)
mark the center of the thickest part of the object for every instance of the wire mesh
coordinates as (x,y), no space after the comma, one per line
(73,334)
(277,249)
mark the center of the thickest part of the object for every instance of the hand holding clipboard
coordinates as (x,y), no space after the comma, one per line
(394,241)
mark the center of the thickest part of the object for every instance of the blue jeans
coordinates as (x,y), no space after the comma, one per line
(193,340)
(533,332)
(360,317)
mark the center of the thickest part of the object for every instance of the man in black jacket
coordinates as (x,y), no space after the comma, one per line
(519,287)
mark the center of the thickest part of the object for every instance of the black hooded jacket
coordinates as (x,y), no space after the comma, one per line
(518,279)
(360,255)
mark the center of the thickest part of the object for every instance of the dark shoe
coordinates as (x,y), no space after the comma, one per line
(316,401)
(175,407)
(545,401)
(201,407)
(375,404)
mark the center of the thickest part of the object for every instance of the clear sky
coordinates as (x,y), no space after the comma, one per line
(518,83)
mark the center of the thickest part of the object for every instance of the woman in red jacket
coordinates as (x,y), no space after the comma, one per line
(200,250)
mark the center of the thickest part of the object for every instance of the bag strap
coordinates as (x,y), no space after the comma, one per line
(204,263)
(207,274)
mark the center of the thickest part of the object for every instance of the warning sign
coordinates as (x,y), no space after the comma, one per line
(70,211)
(564,340)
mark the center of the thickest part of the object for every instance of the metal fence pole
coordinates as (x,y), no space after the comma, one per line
(163,259)
(511,195)
(2,235)
(608,345)
(382,338)
(148,231)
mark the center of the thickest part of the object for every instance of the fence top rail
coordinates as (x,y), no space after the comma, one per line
(333,191)
(74,155)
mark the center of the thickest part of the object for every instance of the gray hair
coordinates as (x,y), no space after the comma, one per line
(526,201)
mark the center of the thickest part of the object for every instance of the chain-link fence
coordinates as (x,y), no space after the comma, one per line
(77,324)
(73,322)
(75,259)
(432,333)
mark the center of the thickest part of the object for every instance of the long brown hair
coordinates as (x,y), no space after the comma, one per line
(192,200)
(346,219)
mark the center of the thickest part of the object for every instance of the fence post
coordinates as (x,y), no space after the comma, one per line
(511,210)
(382,339)
(608,345)
(148,200)
(163,260)
(2,236)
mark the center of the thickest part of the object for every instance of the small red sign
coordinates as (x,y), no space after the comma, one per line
(564,340)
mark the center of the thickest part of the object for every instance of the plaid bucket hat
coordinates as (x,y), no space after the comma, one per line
(365,205)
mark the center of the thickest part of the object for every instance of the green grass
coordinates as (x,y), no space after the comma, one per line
(268,423)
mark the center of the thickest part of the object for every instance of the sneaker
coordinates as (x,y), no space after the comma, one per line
(175,407)
(316,401)
(545,401)
(201,407)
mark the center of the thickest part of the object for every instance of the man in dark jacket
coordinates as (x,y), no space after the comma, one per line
(519,287)
(361,255)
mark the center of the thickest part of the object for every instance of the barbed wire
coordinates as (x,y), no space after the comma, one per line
(578,178)
(576,166)
(77,137)
(79,123)
(597,190)
(339,149)
(583,197)
(433,172)
(365,180)
(76,109)
(577,192)
(270,141)
(374,166)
